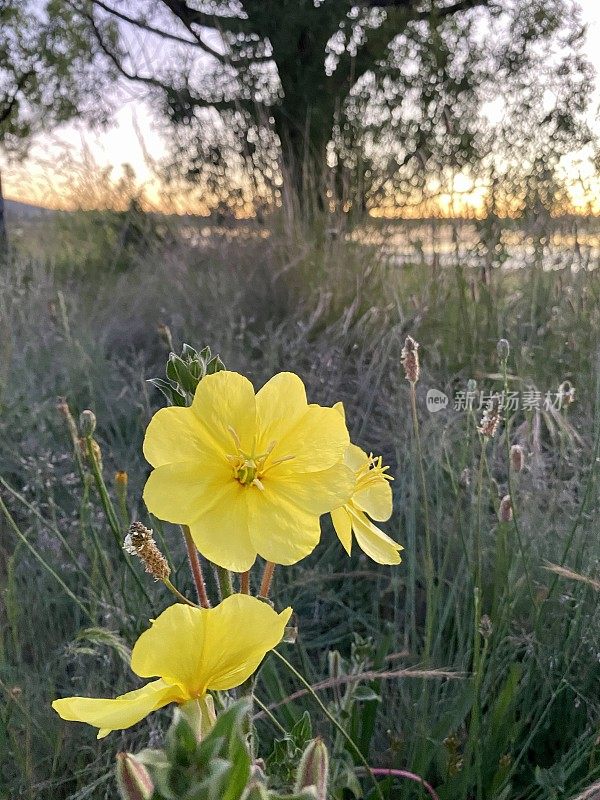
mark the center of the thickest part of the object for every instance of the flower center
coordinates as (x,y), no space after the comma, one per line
(249,468)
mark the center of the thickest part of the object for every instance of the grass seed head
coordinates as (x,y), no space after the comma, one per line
(140,542)
(410,360)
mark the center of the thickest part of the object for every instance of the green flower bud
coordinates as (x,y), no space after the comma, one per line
(87,423)
(133,779)
(313,769)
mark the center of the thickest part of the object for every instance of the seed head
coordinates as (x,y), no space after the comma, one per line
(87,423)
(140,542)
(485,626)
(491,419)
(517,458)
(503,349)
(566,394)
(410,360)
(505,512)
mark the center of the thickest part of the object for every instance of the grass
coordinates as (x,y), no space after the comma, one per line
(489,690)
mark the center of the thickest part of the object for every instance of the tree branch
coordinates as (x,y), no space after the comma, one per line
(9,103)
(197,41)
(414,13)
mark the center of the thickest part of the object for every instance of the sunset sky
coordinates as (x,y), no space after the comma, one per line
(133,137)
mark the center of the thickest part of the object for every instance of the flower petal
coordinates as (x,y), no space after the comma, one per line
(317,441)
(343,527)
(355,457)
(173,435)
(120,712)
(221,532)
(222,402)
(374,542)
(279,405)
(182,492)
(375,500)
(172,648)
(215,648)
(280,531)
(315,492)
(240,631)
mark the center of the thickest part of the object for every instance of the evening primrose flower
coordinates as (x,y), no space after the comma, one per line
(191,650)
(250,474)
(372,495)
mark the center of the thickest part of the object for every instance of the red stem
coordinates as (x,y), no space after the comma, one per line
(265,585)
(196,567)
(245,583)
(402,773)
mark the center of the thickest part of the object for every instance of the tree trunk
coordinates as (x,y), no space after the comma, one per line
(3,234)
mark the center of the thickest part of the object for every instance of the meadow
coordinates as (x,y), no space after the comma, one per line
(490,694)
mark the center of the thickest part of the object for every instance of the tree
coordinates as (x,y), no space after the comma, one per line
(47,75)
(350,93)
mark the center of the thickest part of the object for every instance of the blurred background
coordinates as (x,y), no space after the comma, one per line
(300,184)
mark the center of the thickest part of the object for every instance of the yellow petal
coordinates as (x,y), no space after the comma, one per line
(279,405)
(355,457)
(216,648)
(339,407)
(315,492)
(376,500)
(343,527)
(240,631)
(174,434)
(279,530)
(222,532)
(317,441)
(120,712)
(226,401)
(374,542)
(172,648)
(182,492)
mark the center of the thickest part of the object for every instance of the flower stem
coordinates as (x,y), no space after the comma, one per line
(182,598)
(109,510)
(196,567)
(224,578)
(331,718)
(429,569)
(245,582)
(265,584)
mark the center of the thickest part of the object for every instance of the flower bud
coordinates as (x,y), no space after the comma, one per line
(505,513)
(87,423)
(503,349)
(517,458)
(133,779)
(313,769)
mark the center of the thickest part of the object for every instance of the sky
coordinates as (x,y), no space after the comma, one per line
(62,163)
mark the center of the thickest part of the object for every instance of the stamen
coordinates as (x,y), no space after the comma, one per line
(256,482)
(236,438)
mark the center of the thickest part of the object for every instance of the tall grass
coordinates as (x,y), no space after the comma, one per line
(507,706)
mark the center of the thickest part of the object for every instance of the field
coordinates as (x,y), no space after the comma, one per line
(490,694)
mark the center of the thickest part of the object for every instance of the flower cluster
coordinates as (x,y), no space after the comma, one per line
(246,474)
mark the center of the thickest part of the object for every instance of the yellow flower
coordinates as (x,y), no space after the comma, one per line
(191,650)
(372,495)
(250,474)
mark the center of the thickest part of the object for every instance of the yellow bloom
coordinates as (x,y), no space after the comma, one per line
(372,495)
(191,650)
(250,474)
